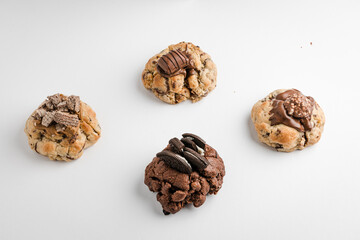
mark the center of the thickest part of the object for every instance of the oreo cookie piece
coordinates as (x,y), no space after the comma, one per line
(175,161)
(197,140)
(196,160)
(176,145)
(189,143)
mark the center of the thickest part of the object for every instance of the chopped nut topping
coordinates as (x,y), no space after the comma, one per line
(299,106)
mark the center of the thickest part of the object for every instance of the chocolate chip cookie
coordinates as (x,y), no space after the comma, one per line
(180,72)
(185,172)
(287,120)
(62,127)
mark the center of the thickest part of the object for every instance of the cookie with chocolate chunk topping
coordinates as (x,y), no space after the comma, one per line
(180,175)
(287,120)
(181,71)
(62,127)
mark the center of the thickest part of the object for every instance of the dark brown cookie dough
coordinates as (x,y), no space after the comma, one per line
(175,189)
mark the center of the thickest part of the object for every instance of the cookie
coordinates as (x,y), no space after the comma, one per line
(62,127)
(180,72)
(180,175)
(287,120)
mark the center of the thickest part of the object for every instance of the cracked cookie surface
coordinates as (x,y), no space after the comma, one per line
(62,127)
(287,120)
(188,73)
(175,189)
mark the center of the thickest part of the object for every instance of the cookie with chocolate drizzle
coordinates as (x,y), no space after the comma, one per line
(288,120)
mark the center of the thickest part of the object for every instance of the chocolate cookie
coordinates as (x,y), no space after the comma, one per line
(180,72)
(287,120)
(181,175)
(62,127)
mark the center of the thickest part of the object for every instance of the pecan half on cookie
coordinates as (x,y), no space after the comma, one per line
(62,127)
(287,120)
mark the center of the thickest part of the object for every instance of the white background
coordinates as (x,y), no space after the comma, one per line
(98,49)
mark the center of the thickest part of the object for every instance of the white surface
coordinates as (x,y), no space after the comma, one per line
(97,49)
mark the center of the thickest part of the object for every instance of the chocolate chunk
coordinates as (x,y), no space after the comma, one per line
(176,145)
(55,99)
(175,161)
(73,103)
(47,119)
(66,119)
(192,72)
(189,143)
(197,140)
(195,159)
(178,196)
(173,63)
